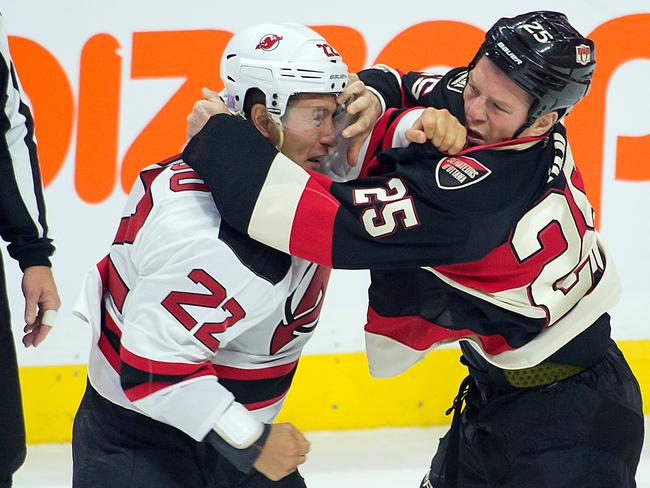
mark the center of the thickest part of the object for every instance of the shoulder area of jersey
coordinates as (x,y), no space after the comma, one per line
(456,80)
(453,82)
(449,172)
(171,176)
(508,162)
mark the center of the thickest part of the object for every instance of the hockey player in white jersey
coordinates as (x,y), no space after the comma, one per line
(197,329)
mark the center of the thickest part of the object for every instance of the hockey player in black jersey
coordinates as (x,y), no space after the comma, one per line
(494,247)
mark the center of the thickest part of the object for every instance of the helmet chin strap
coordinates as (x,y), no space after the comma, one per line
(531,120)
(278,123)
(526,125)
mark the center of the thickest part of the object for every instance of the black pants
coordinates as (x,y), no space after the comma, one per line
(12,424)
(582,432)
(114,447)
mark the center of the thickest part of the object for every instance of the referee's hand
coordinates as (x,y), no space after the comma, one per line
(41,303)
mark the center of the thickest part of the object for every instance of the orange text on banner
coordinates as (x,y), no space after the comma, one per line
(193,56)
(49,91)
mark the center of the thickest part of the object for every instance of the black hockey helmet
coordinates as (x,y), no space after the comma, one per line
(545,55)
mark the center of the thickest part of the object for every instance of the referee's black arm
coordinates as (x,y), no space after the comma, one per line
(22,209)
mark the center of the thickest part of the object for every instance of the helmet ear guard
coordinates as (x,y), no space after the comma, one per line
(280,60)
(545,56)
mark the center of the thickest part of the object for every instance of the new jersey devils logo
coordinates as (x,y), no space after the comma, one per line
(269,42)
(304,317)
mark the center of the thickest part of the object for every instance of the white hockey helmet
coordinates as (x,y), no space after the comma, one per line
(281,60)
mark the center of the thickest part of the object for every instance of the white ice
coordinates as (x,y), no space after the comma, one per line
(381,458)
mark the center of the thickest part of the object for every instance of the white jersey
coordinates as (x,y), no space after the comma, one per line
(188,315)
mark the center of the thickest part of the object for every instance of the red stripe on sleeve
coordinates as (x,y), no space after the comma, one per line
(420,334)
(232,373)
(104,344)
(116,286)
(387,140)
(111,325)
(376,138)
(102,268)
(108,352)
(264,403)
(146,389)
(313,223)
(166,368)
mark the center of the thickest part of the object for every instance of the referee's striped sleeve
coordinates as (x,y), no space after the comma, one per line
(22,208)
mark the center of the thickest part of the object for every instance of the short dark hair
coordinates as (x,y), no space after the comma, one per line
(253,97)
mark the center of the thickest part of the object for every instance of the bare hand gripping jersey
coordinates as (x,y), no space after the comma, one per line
(495,246)
(189,315)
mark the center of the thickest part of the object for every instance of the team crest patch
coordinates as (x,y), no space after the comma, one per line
(454,172)
(583,54)
(458,83)
(269,42)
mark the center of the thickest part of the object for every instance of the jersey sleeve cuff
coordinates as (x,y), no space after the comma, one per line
(31,252)
(243,459)
(403,123)
(238,427)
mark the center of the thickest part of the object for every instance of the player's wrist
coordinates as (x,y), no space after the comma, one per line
(379,97)
(238,427)
(225,438)
(402,123)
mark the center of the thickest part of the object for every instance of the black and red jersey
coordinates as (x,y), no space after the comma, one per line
(495,246)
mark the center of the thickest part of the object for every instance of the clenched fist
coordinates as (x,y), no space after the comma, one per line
(441,128)
(203,110)
(284,450)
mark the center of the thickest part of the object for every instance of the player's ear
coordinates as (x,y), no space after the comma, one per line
(543,124)
(261,120)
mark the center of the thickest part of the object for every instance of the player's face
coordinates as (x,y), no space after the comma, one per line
(495,107)
(309,129)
